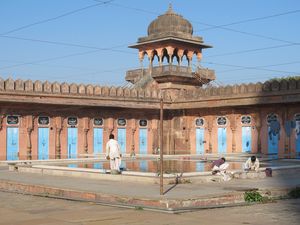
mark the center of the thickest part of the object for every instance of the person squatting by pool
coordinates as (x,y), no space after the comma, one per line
(252,164)
(113,154)
(219,167)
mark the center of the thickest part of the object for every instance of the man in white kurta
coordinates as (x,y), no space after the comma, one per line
(113,153)
(252,164)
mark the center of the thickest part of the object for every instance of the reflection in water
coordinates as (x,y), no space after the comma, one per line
(175,166)
(170,166)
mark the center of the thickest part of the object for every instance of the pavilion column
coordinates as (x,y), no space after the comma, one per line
(170,51)
(199,57)
(150,58)
(170,59)
(159,55)
(141,59)
(190,57)
(180,55)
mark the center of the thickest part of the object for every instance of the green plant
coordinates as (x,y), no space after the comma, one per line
(139,208)
(295,193)
(253,196)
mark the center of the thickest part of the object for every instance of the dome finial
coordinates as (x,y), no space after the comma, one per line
(170,9)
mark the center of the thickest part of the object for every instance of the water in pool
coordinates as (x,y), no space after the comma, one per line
(170,166)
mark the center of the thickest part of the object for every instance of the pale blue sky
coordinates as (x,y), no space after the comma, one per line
(67,40)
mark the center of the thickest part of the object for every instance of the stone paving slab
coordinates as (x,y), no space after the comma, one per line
(129,194)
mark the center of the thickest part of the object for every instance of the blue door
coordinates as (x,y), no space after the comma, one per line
(246,139)
(199,166)
(98,165)
(144,166)
(43,143)
(272,142)
(222,142)
(199,140)
(12,143)
(98,140)
(298,142)
(122,139)
(72,142)
(143,141)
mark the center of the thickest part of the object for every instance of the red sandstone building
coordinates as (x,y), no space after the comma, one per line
(52,120)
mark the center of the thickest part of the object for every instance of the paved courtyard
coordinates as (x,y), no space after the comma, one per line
(20,209)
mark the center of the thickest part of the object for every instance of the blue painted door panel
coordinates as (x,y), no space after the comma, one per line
(72,142)
(199,167)
(144,166)
(199,140)
(98,140)
(12,143)
(98,165)
(222,142)
(43,143)
(122,139)
(143,141)
(246,139)
(298,143)
(272,143)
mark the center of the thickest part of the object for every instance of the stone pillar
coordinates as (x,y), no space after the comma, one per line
(190,57)
(133,129)
(30,120)
(170,59)
(132,150)
(209,128)
(141,58)
(150,57)
(29,146)
(257,117)
(86,130)
(199,57)
(159,55)
(180,55)
(58,130)
(170,51)
(86,149)
(232,120)
(154,140)
(58,144)
(285,118)
(1,121)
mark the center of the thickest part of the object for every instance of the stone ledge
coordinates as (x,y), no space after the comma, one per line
(162,204)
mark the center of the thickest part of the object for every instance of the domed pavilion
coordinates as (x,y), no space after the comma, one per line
(171,41)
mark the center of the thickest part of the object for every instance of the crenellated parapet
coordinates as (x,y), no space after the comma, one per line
(55,88)
(269,92)
(268,87)
(76,94)
(274,91)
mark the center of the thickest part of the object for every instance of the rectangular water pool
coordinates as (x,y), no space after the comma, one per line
(170,166)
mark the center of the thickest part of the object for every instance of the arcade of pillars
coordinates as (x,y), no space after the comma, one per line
(169,53)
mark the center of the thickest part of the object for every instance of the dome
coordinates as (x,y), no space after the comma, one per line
(170,23)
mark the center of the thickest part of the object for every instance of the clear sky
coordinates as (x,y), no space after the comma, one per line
(85,41)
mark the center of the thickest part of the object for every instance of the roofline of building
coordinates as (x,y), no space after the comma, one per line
(170,38)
